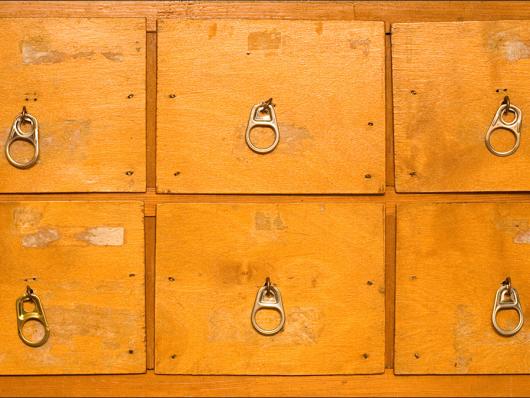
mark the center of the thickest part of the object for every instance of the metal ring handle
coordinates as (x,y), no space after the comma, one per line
(38,318)
(275,304)
(270,122)
(37,314)
(501,305)
(513,127)
(16,134)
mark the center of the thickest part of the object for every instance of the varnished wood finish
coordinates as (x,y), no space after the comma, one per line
(84,81)
(85,262)
(374,385)
(451,259)
(325,258)
(327,83)
(449,80)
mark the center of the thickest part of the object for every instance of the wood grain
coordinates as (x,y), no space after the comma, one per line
(84,81)
(327,81)
(327,260)
(374,385)
(451,259)
(86,263)
(449,80)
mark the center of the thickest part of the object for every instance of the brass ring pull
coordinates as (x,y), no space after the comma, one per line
(263,115)
(513,127)
(37,314)
(16,134)
(507,298)
(268,297)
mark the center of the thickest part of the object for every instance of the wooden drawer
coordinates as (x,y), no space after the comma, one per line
(85,261)
(451,259)
(326,79)
(84,81)
(327,260)
(449,80)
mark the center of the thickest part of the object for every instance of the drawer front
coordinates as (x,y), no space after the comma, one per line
(85,261)
(84,82)
(451,259)
(327,260)
(449,81)
(327,83)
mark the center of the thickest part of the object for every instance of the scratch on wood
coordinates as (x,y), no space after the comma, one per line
(103,236)
(42,238)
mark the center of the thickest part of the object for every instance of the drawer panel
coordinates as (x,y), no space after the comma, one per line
(84,81)
(449,80)
(451,259)
(327,83)
(85,261)
(326,259)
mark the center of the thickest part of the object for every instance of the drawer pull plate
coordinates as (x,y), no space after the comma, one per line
(263,115)
(499,123)
(36,314)
(507,298)
(16,134)
(268,297)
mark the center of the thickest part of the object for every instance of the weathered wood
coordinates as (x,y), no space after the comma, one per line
(451,259)
(327,260)
(84,81)
(86,263)
(449,80)
(326,79)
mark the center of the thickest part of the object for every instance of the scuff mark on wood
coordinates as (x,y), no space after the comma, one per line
(265,40)
(42,238)
(511,46)
(113,56)
(212,31)
(103,236)
(361,44)
(522,237)
(26,218)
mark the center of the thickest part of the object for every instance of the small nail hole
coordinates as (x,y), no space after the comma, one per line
(367,176)
(417,355)
(370,123)
(177,173)
(370,283)
(131,275)
(171,279)
(172,96)
(131,352)
(130,96)
(129,173)
(413,92)
(412,174)
(365,356)
(173,356)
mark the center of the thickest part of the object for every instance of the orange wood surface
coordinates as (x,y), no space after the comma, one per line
(84,81)
(387,384)
(325,258)
(84,261)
